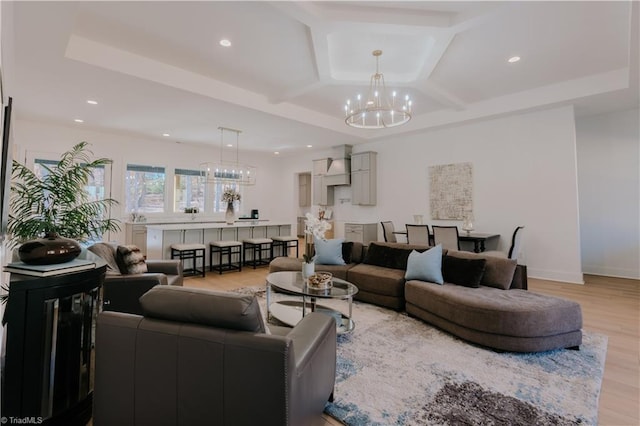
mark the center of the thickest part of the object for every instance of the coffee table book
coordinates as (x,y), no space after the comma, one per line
(74,265)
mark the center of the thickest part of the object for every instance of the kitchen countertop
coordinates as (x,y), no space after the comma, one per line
(215,224)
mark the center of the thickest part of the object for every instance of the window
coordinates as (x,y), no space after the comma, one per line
(189,188)
(144,189)
(95,186)
(220,206)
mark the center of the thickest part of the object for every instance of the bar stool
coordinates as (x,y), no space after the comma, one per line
(192,252)
(285,242)
(228,248)
(257,246)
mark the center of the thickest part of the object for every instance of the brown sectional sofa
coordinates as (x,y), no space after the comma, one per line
(500,313)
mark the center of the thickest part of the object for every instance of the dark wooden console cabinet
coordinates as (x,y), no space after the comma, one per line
(50,330)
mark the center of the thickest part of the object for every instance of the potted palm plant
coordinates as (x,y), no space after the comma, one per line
(45,209)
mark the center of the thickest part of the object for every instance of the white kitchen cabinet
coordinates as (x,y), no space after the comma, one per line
(136,234)
(364,178)
(361,232)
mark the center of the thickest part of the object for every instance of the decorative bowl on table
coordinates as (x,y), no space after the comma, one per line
(320,280)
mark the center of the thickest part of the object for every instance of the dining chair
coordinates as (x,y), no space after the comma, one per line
(514,250)
(447,236)
(387,232)
(417,234)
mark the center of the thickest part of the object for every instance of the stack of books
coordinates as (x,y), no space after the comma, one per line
(75,265)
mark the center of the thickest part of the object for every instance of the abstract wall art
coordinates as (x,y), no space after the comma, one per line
(451,190)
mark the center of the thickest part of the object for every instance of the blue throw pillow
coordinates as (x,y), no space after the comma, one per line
(425,266)
(329,252)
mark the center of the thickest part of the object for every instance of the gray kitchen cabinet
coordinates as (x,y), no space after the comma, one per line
(304,190)
(364,178)
(322,194)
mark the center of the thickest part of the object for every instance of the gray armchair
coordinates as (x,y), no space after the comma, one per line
(120,292)
(202,357)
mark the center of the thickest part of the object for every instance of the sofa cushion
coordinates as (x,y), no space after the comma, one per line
(329,252)
(292,264)
(377,279)
(510,313)
(498,272)
(107,252)
(130,260)
(465,272)
(206,307)
(388,256)
(426,266)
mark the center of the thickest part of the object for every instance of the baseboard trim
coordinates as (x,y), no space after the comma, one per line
(565,277)
(611,272)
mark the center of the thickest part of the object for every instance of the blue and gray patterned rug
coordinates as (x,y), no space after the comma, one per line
(397,370)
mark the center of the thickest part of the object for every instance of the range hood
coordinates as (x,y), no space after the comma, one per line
(339,172)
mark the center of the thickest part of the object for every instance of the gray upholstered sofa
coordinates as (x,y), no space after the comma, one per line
(500,313)
(201,357)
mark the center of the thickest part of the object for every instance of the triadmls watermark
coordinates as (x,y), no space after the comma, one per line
(21,420)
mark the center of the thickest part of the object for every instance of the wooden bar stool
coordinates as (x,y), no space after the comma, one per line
(192,252)
(225,248)
(285,243)
(257,246)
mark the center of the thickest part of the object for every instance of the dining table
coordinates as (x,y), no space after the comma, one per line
(478,239)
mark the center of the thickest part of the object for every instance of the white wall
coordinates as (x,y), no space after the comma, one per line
(31,136)
(524,174)
(609,188)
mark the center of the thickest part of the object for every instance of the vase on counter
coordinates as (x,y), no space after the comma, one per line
(230,215)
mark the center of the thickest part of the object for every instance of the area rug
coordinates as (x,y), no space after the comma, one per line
(397,370)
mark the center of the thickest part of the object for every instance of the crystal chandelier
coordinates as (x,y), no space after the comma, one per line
(377,110)
(229,172)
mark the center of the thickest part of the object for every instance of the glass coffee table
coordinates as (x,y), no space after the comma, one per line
(290,312)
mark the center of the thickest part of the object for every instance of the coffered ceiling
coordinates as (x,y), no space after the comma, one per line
(158,67)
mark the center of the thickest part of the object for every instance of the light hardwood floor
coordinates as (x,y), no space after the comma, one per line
(610,306)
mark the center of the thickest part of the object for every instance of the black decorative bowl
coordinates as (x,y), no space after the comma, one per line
(49,250)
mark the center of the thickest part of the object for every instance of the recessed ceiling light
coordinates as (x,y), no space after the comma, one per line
(77,120)
(309,146)
(91,102)
(513,59)
(225,43)
(230,145)
(276,152)
(166,135)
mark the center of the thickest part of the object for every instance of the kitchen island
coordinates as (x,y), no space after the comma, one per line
(161,236)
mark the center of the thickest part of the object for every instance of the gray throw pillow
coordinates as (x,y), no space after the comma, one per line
(498,271)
